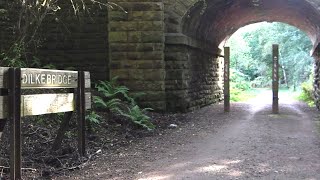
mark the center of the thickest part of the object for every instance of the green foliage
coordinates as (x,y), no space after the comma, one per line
(111,104)
(237,95)
(262,82)
(251,49)
(138,116)
(93,117)
(239,80)
(306,93)
(14,58)
(27,25)
(240,86)
(110,89)
(116,99)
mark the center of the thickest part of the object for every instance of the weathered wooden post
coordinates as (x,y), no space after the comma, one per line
(14,116)
(81,110)
(3,104)
(226,75)
(275,79)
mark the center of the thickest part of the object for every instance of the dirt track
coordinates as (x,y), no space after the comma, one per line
(247,143)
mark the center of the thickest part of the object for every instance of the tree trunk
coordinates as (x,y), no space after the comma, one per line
(285,77)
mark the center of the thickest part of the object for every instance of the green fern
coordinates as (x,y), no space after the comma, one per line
(138,116)
(93,117)
(115,98)
(112,104)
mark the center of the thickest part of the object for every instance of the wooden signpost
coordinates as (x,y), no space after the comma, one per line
(275,79)
(14,105)
(226,79)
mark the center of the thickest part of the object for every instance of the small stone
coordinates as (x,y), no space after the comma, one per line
(173,126)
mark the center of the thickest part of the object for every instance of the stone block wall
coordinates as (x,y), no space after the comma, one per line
(77,42)
(193,73)
(136,41)
(193,77)
(316,86)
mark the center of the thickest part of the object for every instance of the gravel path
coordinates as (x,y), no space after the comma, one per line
(247,143)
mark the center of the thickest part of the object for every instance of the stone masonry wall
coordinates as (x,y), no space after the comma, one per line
(316,86)
(193,74)
(136,40)
(192,66)
(77,42)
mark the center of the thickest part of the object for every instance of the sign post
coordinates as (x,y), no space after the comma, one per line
(275,79)
(14,117)
(14,105)
(81,113)
(226,75)
(3,92)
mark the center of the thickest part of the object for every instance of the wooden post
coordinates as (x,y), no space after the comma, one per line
(3,92)
(62,130)
(15,122)
(226,79)
(275,79)
(81,110)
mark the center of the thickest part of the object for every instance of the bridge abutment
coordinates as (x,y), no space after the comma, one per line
(193,73)
(136,47)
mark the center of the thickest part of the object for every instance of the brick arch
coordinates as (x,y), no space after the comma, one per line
(221,19)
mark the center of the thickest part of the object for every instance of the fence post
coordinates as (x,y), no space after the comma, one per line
(15,122)
(226,75)
(275,79)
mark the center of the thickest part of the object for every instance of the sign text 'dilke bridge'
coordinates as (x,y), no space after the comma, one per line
(42,78)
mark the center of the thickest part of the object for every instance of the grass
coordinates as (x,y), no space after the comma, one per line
(237,95)
(302,96)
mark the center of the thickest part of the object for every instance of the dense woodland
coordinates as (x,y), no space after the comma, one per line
(251,56)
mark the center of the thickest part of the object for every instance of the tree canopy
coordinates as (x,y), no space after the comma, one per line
(251,49)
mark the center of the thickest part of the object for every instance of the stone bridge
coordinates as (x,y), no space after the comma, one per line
(171,49)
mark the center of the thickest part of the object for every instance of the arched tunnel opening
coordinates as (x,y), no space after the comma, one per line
(251,63)
(216,21)
(206,25)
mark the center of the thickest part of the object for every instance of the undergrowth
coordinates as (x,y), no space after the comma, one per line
(306,94)
(116,99)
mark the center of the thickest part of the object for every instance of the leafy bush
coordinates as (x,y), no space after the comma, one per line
(306,94)
(239,80)
(261,82)
(239,85)
(14,58)
(235,95)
